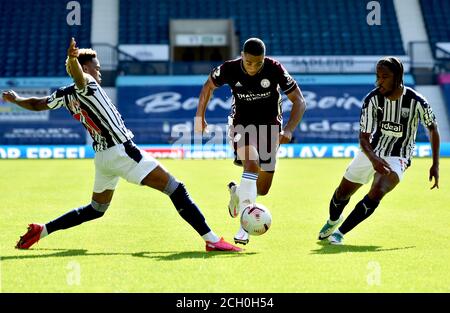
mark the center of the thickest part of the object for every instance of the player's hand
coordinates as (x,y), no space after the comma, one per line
(381,166)
(10,96)
(200,125)
(285,136)
(434,172)
(73,50)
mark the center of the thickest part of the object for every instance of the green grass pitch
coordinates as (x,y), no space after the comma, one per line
(142,245)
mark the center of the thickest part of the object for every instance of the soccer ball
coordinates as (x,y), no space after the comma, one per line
(256,219)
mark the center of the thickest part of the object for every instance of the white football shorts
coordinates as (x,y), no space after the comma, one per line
(361,170)
(124,160)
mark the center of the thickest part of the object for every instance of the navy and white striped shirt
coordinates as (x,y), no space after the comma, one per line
(393,124)
(92,107)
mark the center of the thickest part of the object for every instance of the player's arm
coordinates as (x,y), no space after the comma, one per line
(379,164)
(435,146)
(297,111)
(74,67)
(367,124)
(32,104)
(205,96)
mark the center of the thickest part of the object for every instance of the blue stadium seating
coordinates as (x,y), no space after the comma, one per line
(307,27)
(436,15)
(35,36)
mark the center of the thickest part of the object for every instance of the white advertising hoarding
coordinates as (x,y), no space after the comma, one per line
(145,52)
(334,64)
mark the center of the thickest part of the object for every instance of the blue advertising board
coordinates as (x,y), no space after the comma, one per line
(161,110)
(218,151)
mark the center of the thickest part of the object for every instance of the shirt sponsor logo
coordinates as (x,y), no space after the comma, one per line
(391,129)
(253,96)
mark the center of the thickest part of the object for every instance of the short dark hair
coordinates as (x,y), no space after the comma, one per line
(395,65)
(254,46)
(86,55)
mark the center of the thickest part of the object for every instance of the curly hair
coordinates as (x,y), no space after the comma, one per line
(395,66)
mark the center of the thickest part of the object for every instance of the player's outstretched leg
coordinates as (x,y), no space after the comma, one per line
(189,211)
(72,218)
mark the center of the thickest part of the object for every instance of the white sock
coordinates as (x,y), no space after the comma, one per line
(247,190)
(241,234)
(333,222)
(43,232)
(211,237)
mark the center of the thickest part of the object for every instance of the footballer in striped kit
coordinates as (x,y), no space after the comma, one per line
(390,116)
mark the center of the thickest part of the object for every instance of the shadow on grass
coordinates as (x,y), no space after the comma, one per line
(327,248)
(171,256)
(158,255)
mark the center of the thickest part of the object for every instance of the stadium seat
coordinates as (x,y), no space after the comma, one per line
(46,34)
(435,13)
(309,23)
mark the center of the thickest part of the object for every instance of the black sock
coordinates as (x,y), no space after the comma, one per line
(336,207)
(189,210)
(73,218)
(362,210)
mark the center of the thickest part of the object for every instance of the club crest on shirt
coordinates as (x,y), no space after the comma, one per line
(265,83)
(216,72)
(405,112)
